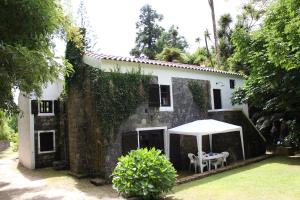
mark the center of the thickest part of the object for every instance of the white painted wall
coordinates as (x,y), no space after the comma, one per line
(51,91)
(165,74)
(25,130)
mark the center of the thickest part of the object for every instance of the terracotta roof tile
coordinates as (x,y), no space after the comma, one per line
(158,62)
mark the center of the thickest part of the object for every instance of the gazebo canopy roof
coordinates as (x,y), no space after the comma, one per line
(204,127)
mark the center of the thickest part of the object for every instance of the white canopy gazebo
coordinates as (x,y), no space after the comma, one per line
(203,127)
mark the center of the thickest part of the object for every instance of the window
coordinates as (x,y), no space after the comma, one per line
(46,141)
(217,99)
(165,95)
(232,83)
(46,107)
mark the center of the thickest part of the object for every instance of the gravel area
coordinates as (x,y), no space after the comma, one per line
(19,183)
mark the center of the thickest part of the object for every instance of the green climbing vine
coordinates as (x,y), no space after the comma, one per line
(198,94)
(117,95)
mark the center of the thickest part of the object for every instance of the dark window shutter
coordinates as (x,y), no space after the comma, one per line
(154,95)
(34,107)
(56,107)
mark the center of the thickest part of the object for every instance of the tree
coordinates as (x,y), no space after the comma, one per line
(207,36)
(199,57)
(224,35)
(171,39)
(148,33)
(273,56)
(27,60)
(90,38)
(170,54)
(247,21)
(212,8)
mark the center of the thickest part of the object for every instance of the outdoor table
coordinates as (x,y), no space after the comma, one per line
(211,156)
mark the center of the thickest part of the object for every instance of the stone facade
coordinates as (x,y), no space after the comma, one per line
(91,154)
(56,123)
(254,144)
(45,123)
(88,151)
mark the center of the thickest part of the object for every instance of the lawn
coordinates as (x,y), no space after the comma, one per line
(274,178)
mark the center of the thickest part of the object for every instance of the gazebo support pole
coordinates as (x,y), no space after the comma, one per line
(138,139)
(242,142)
(210,142)
(167,143)
(199,145)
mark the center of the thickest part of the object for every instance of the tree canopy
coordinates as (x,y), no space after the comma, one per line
(27,29)
(148,33)
(171,39)
(272,53)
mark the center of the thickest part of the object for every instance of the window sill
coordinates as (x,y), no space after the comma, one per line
(166,109)
(46,114)
(45,152)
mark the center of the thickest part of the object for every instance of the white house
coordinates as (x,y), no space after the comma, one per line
(39,132)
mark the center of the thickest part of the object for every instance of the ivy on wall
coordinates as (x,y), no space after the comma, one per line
(117,96)
(198,94)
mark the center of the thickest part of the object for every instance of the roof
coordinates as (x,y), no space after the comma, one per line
(160,63)
(204,127)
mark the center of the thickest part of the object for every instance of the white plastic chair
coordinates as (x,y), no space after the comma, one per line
(193,161)
(225,156)
(204,163)
(217,162)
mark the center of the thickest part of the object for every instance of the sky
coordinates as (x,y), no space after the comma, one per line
(113,21)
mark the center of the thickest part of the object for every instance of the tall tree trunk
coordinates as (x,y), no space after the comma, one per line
(206,35)
(212,8)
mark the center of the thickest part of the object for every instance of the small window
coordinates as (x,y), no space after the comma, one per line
(46,107)
(46,141)
(232,83)
(165,95)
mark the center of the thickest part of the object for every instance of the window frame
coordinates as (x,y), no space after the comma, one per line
(231,81)
(39,143)
(45,114)
(169,96)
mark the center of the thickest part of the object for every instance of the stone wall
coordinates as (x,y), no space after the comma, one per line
(253,142)
(89,154)
(185,111)
(46,123)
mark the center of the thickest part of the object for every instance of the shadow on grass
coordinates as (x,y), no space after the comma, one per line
(285,160)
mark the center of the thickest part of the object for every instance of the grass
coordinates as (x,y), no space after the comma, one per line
(274,178)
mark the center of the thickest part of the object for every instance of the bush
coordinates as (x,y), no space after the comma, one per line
(5,130)
(293,138)
(8,126)
(144,173)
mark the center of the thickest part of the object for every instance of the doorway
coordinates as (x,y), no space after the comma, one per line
(217,99)
(152,138)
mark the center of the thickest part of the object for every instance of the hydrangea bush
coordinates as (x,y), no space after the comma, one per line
(144,173)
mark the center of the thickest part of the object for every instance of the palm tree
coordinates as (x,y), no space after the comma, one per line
(212,8)
(207,36)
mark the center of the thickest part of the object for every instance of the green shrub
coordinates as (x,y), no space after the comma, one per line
(5,130)
(14,141)
(144,173)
